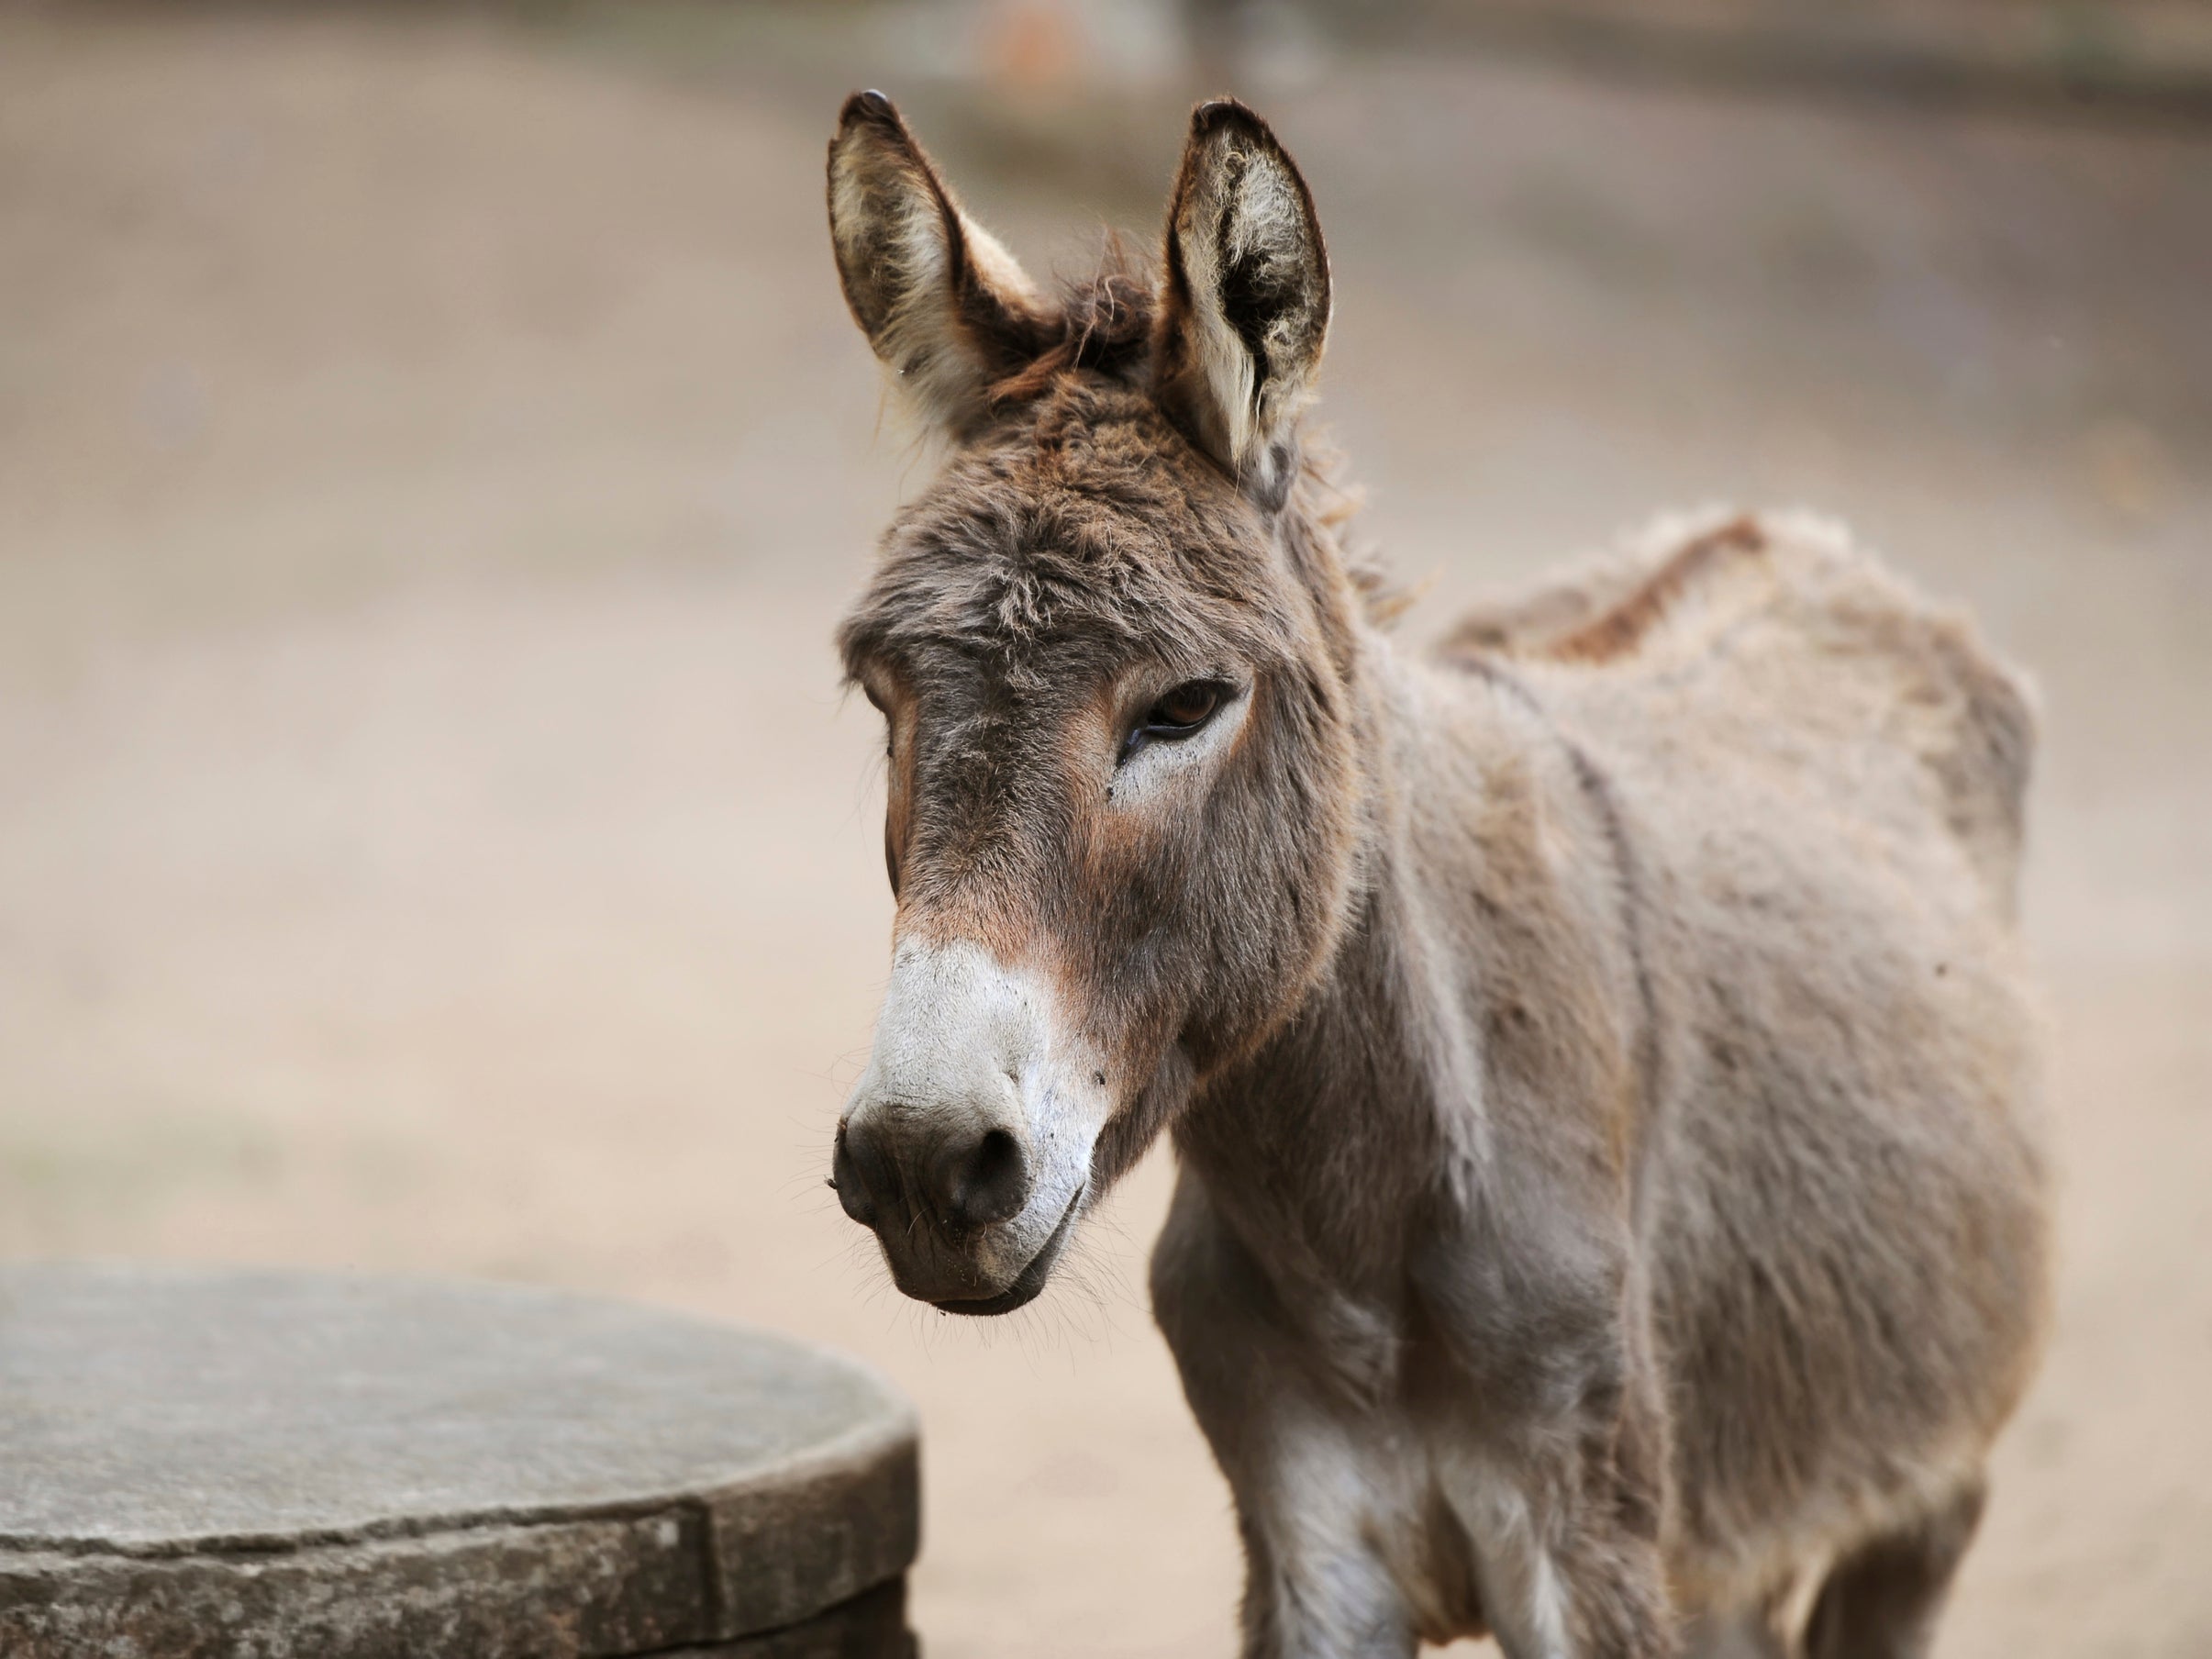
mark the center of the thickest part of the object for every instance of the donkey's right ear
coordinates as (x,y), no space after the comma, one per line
(945,306)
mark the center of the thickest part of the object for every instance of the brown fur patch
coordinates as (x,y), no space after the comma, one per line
(1619,629)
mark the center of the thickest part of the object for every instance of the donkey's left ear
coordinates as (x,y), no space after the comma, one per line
(947,308)
(1244,302)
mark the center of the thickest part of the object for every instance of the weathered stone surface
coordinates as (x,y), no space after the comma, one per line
(870,1626)
(277,1465)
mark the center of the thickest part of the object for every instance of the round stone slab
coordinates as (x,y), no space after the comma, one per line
(280,1465)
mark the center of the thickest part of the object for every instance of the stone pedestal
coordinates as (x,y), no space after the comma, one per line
(280,1465)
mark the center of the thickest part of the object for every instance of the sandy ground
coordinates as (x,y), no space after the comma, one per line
(432,458)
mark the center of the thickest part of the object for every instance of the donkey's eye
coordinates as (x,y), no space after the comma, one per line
(1184,708)
(890,727)
(1177,715)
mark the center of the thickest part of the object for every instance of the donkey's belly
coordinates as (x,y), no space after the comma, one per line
(1849,1241)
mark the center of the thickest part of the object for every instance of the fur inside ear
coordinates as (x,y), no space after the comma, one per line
(947,308)
(1244,301)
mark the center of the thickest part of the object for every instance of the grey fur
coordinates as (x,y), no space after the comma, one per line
(1599,1055)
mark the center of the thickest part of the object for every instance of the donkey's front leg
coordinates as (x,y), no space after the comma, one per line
(1316,1586)
(1560,1577)
(1558,1445)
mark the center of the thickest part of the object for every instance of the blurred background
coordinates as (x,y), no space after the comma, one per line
(434,454)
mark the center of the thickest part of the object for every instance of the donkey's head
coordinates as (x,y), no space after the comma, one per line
(1114,647)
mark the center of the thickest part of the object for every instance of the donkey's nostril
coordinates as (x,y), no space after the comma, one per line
(991,1183)
(851,1185)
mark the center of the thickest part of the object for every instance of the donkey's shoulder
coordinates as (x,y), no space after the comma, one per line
(1778,639)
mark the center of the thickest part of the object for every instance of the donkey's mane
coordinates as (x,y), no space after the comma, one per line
(1102,322)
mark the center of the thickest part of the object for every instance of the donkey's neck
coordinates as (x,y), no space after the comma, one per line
(1489,970)
(1318,1138)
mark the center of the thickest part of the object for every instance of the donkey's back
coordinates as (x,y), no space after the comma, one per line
(1777,646)
(1820,779)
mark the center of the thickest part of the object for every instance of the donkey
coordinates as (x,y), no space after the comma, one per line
(1598,1056)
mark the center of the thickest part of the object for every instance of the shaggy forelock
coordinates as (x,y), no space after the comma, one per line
(1102,323)
(1083,520)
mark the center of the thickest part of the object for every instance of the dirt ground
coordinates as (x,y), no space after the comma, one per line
(432,458)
